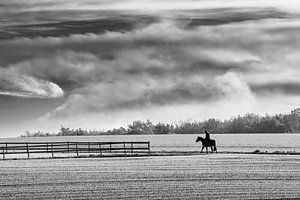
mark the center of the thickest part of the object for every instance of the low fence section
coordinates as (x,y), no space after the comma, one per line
(100,148)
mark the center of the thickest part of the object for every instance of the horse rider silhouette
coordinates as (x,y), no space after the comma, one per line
(207,142)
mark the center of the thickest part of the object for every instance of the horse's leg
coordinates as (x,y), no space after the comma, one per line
(215,148)
(211,147)
(202,149)
(206,149)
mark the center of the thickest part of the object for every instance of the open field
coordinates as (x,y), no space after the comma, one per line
(186,142)
(213,176)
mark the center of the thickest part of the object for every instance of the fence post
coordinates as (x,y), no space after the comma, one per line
(89,147)
(149,149)
(110,147)
(47,147)
(27,147)
(68,147)
(124,148)
(77,149)
(100,149)
(131,148)
(52,150)
(6,147)
(3,153)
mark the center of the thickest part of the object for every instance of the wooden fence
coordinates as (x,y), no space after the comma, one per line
(101,148)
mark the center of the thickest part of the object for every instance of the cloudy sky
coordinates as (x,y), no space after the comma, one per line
(99,64)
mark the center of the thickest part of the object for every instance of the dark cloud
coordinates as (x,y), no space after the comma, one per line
(60,23)
(56,24)
(212,17)
(141,5)
(270,88)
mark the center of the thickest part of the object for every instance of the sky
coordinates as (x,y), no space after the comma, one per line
(101,64)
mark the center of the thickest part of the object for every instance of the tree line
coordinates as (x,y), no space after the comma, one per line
(249,123)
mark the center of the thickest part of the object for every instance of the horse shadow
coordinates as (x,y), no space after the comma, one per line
(207,143)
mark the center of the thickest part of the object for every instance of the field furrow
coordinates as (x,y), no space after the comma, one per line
(179,177)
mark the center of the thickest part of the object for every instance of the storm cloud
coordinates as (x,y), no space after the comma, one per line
(156,65)
(141,5)
(210,56)
(287,88)
(135,69)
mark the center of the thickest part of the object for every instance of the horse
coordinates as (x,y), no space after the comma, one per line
(207,143)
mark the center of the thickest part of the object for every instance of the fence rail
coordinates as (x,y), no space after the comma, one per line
(101,148)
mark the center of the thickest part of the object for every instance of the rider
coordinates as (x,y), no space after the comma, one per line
(206,135)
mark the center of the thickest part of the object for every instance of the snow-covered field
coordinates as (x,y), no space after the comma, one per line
(213,176)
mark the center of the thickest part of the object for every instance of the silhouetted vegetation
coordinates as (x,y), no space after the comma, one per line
(249,123)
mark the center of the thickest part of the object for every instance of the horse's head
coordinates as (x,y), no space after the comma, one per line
(199,139)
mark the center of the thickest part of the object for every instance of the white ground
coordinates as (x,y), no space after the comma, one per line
(218,176)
